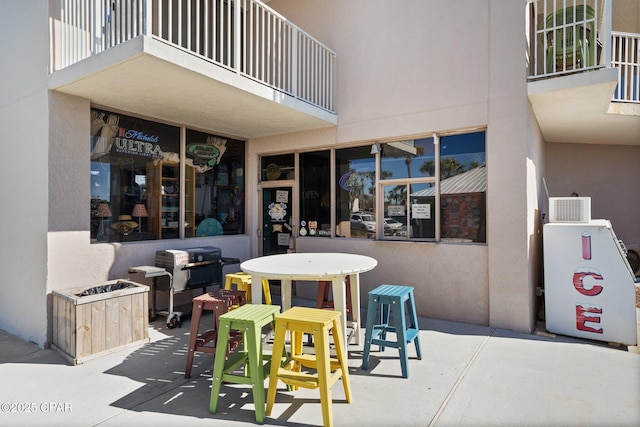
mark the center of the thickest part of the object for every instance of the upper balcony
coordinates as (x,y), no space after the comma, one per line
(584,76)
(235,67)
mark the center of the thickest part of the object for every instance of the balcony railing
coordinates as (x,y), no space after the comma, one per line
(244,36)
(625,49)
(567,36)
(573,36)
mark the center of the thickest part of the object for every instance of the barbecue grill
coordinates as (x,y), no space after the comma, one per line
(179,270)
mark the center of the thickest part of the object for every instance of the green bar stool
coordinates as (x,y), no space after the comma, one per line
(400,301)
(249,319)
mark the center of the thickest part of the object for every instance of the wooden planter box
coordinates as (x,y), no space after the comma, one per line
(86,327)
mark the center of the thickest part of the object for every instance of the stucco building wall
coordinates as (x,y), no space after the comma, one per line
(404,69)
(24,170)
(589,170)
(406,85)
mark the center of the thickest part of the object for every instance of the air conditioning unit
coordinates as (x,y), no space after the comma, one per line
(570,209)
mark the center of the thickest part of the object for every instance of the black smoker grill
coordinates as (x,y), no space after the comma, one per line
(189,269)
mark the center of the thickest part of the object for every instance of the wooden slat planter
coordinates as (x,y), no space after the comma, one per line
(86,327)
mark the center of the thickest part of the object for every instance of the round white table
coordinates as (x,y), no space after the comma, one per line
(313,267)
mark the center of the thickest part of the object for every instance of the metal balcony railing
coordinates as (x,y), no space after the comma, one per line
(567,36)
(244,36)
(573,36)
(625,50)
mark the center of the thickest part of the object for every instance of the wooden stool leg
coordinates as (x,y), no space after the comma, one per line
(278,348)
(323,293)
(349,303)
(401,328)
(218,364)
(341,353)
(414,321)
(384,320)
(256,369)
(368,334)
(323,367)
(247,290)
(266,290)
(193,336)
(322,297)
(296,348)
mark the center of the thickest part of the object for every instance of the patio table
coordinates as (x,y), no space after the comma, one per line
(313,267)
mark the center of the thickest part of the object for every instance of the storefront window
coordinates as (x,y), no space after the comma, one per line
(355,192)
(408,174)
(463,186)
(409,167)
(142,190)
(315,193)
(218,168)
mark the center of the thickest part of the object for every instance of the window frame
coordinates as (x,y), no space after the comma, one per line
(182,162)
(382,183)
(379,189)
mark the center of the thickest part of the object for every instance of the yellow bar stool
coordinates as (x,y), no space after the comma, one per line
(242,281)
(249,319)
(322,370)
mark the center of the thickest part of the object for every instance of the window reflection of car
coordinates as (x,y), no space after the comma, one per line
(391,225)
(364,222)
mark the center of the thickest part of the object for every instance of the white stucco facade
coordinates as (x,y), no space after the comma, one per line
(404,69)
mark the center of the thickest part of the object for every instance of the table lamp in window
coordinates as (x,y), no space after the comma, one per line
(102,213)
(139,211)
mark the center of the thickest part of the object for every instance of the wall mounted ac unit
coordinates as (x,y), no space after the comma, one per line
(570,209)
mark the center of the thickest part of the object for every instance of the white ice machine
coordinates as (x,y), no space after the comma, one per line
(589,285)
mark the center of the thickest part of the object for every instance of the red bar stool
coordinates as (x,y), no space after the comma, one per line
(322,298)
(219,302)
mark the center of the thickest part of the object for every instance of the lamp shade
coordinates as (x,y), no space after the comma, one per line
(103,211)
(140,211)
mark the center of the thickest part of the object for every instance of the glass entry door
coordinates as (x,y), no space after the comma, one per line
(277,229)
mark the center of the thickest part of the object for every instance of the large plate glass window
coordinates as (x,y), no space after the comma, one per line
(355,193)
(129,156)
(407,170)
(463,187)
(410,183)
(218,168)
(141,188)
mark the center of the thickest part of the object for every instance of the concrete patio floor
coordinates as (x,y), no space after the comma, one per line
(469,375)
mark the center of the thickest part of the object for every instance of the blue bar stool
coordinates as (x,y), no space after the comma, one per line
(392,298)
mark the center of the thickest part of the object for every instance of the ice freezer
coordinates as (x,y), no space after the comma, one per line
(589,286)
